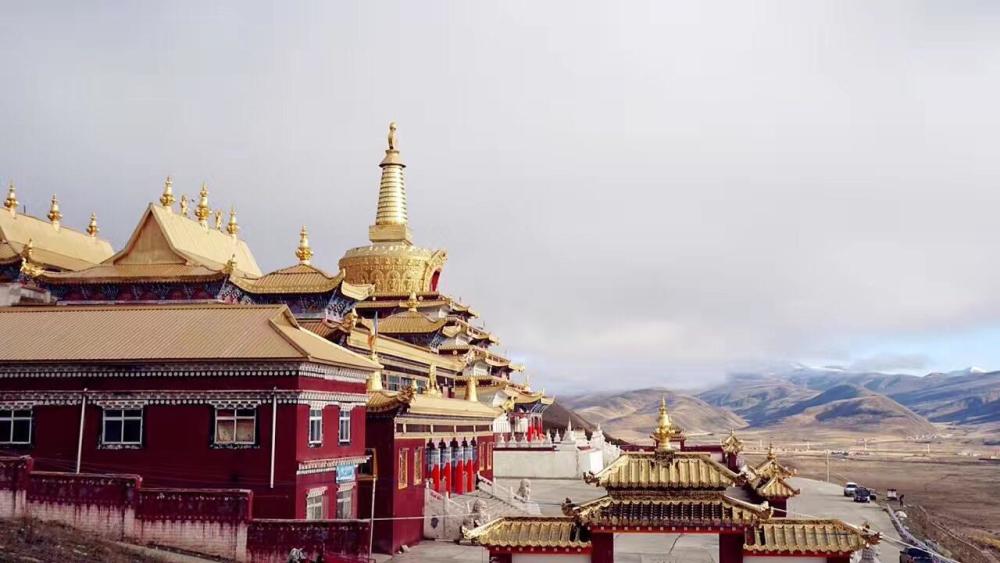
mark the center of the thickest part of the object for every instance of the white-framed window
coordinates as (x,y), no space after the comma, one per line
(315,426)
(122,427)
(344,426)
(315,501)
(235,426)
(15,426)
(345,501)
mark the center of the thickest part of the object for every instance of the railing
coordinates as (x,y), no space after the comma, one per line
(507,495)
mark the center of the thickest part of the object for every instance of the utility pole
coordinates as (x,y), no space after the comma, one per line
(827,466)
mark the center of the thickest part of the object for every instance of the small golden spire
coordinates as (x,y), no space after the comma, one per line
(390,214)
(471,387)
(218,219)
(92,228)
(664,430)
(202,211)
(184,206)
(432,382)
(233,227)
(230,266)
(167,199)
(11,202)
(26,250)
(770,450)
(411,303)
(392,135)
(55,216)
(304,253)
(374,382)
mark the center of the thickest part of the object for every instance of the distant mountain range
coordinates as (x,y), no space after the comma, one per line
(803,401)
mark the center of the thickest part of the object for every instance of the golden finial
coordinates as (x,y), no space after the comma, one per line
(26,250)
(167,199)
(54,214)
(202,211)
(432,382)
(11,202)
(233,227)
(411,303)
(471,386)
(350,320)
(184,205)
(664,430)
(230,266)
(303,252)
(374,382)
(92,228)
(29,268)
(770,450)
(392,135)
(218,219)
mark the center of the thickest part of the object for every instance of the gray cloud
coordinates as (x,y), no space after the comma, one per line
(650,194)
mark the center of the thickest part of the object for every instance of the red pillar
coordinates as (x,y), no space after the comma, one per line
(460,469)
(435,469)
(446,469)
(470,469)
(731,548)
(602,547)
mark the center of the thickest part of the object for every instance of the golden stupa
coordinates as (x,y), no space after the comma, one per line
(391,262)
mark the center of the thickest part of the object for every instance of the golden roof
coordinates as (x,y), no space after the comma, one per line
(54,246)
(415,403)
(773,487)
(211,331)
(301,278)
(696,508)
(530,532)
(731,444)
(133,273)
(654,470)
(771,467)
(407,322)
(792,536)
(393,347)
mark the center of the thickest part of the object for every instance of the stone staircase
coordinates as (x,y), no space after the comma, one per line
(444,516)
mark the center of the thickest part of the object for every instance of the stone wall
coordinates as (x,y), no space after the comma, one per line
(217,522)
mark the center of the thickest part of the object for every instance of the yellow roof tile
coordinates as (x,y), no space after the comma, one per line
(183,332)
(302,278)
(62,248)
(530,532)
(687,508)
(793,536)
(423,404)
(656,470)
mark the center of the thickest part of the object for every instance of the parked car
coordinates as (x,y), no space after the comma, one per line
(849,488)
(872,495)
(862,494)
(891,494)
(915,555)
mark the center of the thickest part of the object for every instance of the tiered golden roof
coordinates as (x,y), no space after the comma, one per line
(690,509)
(768,478)
(789,536)
(301,278)
(531,532)
(650,470)
(731,444)
(407,322)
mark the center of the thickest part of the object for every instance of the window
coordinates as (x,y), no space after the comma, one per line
(315,426)
(344,429)
(403,453)
(122,427)
(482,457)
(15,426)
(418,466)
(345,508)
(314,504)
(235,426)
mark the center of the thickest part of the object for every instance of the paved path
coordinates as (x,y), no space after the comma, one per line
(817,499)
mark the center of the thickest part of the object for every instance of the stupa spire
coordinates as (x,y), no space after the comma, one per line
(55,215)
(92,228)
(203,210)
(167,199)
(304,252)
(11,202)
(664,429)
(390,217)
(233,227)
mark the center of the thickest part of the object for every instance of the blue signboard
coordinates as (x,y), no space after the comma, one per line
(346,473)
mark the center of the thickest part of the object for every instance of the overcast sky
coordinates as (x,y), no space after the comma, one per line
(630,194)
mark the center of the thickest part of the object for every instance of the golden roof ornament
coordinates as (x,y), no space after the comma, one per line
(29,268)
(411,303)
(230,266)
(92,228)
(432,382)
(11,202)
(374,382)
(184,206)
(471,387)
(664,430)
(167,199)
(304,253)
(218,219)
(233,227)
(55,216)
(391,216)
(770,451)
(350,320)
(203,211)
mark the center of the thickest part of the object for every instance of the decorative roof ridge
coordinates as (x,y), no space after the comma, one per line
(144,307)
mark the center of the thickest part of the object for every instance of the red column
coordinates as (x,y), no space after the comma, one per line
(460,469)
(436,469)
(470,470)
(731,548)
(446,469)
(602,547)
